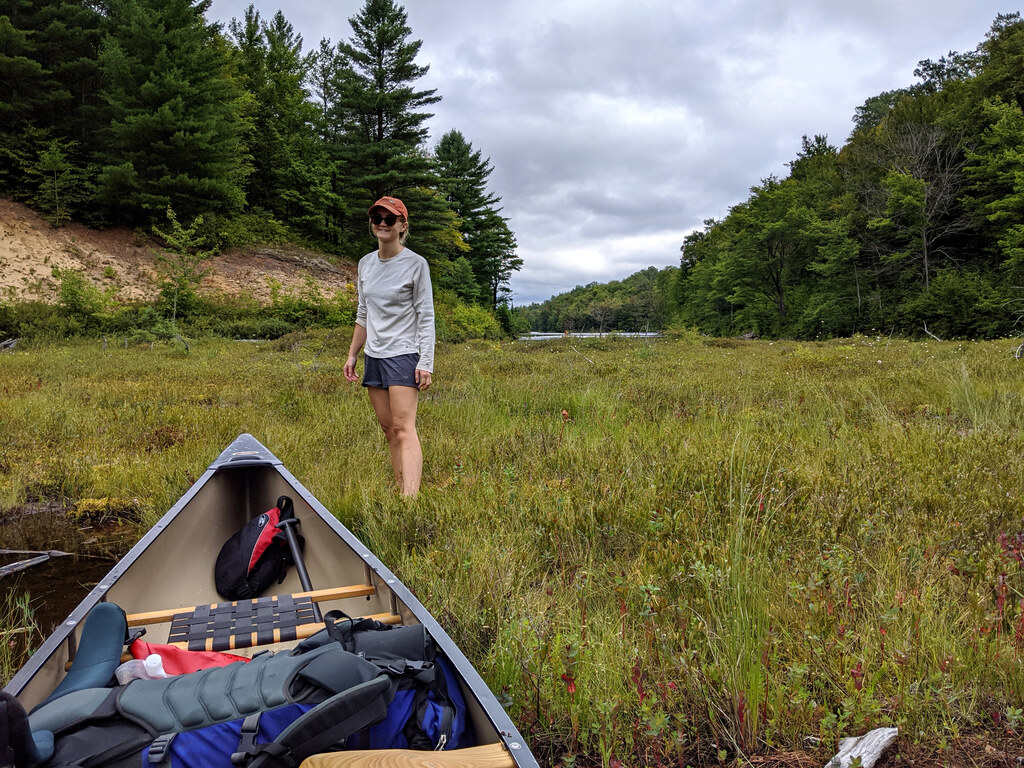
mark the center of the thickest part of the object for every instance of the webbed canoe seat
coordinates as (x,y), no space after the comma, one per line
(250,623)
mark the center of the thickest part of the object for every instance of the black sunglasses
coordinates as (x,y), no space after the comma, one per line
(390,219)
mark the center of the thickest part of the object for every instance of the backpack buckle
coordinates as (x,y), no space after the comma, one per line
(247,741)
(160,748)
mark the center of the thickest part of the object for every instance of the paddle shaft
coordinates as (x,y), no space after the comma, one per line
(288,526)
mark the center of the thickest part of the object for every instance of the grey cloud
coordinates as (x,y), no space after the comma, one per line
(615,128)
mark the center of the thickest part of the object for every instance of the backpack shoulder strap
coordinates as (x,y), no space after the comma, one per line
(327,724)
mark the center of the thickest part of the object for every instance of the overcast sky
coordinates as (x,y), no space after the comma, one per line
(615,127)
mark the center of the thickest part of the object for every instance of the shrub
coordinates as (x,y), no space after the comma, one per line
(308,307)
(245,229)
(960,305)
(255,328)
(456,321)
(29,319)
(81,303)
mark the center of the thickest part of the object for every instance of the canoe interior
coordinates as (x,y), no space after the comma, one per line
(172,567)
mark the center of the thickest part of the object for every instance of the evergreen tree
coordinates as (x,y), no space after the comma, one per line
(322,78)
(383,128)
(463,180)
(48,85)
(67,41)
(996,193)
(56,175)
(172,134)
(23,93)
(288,176)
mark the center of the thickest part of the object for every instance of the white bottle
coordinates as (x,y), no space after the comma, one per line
(150,668)
(154,667)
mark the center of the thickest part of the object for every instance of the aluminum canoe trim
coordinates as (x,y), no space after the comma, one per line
(60,635)
(499,718)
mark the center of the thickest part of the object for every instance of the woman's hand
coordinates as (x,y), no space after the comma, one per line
(350,368)
(423,379)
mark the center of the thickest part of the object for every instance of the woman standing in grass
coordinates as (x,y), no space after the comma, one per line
(395,322)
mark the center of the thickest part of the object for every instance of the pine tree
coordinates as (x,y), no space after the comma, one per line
(21,85)
(172,133)
(322,78)
(996,194)
(67,41)
(288,178)
(464,174)
(48,83)
(383,130)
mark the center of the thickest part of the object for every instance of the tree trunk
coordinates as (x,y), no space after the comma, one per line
(924,249)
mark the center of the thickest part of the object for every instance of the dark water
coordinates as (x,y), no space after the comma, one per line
(54,587)
(57,585)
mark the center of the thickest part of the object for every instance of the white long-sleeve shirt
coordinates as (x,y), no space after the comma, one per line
(396,306)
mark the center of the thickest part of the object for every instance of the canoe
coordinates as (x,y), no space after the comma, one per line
(170,573)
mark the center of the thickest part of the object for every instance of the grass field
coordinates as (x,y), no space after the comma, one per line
(681,552)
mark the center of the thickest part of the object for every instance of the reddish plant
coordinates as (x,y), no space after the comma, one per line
(638,680)
(1001,589)
(857,673)
(741,719)
(570,684)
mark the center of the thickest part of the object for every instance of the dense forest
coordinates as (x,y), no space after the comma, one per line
(915,225)
(143,113)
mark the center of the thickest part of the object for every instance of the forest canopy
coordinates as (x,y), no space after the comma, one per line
(914,225)
(113,112)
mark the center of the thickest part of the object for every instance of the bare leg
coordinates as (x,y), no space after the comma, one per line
(396,411)
(403,424)
(381,403)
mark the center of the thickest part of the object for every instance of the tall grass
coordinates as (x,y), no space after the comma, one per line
(684,551)
(19,633)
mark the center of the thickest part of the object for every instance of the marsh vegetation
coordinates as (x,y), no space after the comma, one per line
(673,551)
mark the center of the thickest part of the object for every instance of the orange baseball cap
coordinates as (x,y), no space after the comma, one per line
(392,204)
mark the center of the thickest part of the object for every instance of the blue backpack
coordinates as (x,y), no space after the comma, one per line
(427,710)
(356,684)
(420,717)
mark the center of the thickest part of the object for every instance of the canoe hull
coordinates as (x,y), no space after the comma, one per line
(171,567)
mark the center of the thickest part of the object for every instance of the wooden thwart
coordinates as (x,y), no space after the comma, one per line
(317,596)
(487,756)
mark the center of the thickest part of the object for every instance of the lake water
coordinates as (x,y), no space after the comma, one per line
(540,336)
(56,586)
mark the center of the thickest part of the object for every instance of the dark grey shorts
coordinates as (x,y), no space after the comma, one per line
(390,371)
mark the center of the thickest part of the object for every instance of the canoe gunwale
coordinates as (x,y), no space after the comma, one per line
(98,593)
(496,713)
(245,452)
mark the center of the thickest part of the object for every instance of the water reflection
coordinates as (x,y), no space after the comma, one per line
(544,336)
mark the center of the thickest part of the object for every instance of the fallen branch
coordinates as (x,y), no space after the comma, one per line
(50,552)
(6,346)
(930,333)
(22,565)
(582,355)
(863,750)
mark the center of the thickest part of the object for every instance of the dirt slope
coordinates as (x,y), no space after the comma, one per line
(30,249)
